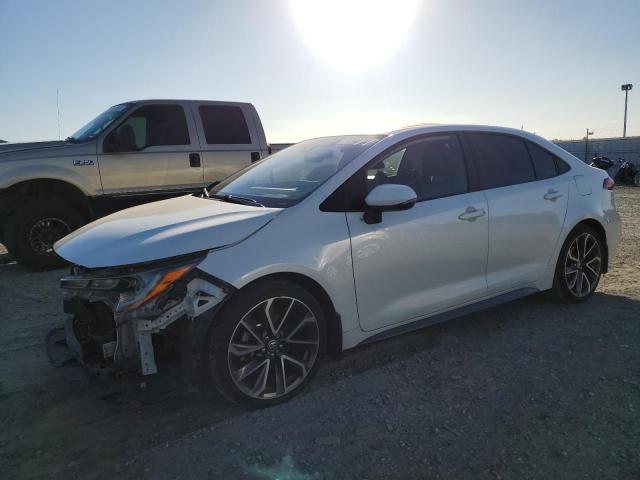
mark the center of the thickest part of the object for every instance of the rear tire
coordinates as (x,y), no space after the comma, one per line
(261,359)
(579,266)
(33,229)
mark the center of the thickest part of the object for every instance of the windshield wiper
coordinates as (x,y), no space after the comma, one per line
(235,199)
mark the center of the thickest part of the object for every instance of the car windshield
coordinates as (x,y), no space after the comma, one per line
(288,176)
(96,126)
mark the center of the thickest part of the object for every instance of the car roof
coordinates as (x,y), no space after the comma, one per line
(406,132)
(452,127)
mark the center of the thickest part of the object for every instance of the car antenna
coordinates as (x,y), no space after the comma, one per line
(58,110)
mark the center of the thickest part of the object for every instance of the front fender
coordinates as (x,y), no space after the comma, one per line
(88,184)
(302,241)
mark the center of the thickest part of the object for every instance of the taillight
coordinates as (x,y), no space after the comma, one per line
(608,184)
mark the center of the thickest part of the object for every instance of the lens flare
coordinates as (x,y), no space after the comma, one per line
(352,35)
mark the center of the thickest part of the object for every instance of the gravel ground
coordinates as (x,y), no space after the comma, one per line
(526,390)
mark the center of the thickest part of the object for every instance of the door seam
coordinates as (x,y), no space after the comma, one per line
(353,271)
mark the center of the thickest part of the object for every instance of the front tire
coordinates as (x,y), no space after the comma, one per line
(579,266)
(33,229)
(265,344)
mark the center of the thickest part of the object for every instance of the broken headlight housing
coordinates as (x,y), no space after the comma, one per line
(147,289)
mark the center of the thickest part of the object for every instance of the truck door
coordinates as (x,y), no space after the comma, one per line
(229,138)
(163,157)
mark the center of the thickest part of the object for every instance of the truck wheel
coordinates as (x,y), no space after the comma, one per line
(33,229)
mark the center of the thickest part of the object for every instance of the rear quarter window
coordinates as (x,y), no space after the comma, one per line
(544,163)
(563,167)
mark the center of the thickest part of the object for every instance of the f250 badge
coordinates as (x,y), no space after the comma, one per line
(82,163)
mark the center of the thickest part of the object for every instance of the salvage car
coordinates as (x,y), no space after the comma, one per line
(132,153)
(333,243)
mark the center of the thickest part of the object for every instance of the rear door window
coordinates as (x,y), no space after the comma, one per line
(224,125)
(502,160)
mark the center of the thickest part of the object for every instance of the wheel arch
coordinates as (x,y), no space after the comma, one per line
(334,322)
(602,233)
(49,188)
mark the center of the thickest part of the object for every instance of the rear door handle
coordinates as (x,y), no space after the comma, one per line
(471,214)
(194,159)
(552,195)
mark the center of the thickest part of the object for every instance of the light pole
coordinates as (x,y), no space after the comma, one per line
(625,88)
(586,146)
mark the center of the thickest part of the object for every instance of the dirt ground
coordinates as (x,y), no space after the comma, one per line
(530,389)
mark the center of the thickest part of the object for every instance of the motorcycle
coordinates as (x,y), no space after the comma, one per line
(621,171)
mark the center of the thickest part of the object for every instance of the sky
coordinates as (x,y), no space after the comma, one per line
(312,68)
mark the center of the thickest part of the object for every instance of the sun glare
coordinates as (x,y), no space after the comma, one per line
(352,35)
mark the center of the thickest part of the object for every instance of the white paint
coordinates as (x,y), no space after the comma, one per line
(415,263)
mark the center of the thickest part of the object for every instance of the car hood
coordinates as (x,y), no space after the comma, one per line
(159,230)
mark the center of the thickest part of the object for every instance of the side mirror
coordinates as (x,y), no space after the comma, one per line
(121,140)
(388,197)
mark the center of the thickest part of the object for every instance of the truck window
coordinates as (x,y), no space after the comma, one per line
(159,125)
(224,125)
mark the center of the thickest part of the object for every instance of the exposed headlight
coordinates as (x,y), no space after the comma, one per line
(152,285)
(145,290)
(86,283)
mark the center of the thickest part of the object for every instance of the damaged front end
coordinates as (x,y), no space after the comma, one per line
(116,312)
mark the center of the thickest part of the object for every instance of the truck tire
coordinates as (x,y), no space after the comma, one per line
(33,229)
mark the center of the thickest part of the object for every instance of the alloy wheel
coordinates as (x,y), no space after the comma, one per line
(582,265)
(273,348)
(45,232)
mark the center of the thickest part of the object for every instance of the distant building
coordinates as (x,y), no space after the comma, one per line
(627,148)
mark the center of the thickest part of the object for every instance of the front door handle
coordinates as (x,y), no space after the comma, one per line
(194,159)
(552,195)
(471,214)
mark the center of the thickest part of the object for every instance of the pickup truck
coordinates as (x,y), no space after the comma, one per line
(132,153)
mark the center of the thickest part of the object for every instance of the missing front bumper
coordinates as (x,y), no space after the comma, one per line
(107,341)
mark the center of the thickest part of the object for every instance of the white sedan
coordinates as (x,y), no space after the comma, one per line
(332,243)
